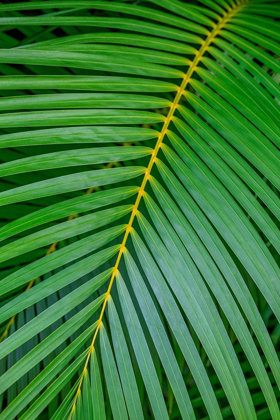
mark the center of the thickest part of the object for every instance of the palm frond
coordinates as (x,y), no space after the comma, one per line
(139,210)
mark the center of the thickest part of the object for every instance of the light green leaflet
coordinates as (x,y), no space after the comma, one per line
(86,61)
(63,231)
(96,389)
(73,158)
(215,247)
(66,117)
(53,313)
(186,283)
(87,83)
(60,258)
(58,281)
(119,7)
(174,318)
(229,179)
(142,353)
(112,378)
(84,134)
(38,406)
(124,365)
(158,334)
(268,283)
(118,23)
(67,208)
(82,100)
(216,283)
(117,38)
(49,344)
(63,184)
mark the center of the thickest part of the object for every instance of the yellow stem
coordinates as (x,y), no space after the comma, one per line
(192,67)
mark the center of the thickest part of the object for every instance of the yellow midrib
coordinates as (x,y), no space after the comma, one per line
(192,67)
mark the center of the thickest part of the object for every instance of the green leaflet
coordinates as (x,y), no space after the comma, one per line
(96,389)
(255,52)
(117,38)
(118,23)
(157,332)
(266,42)
(79,117)
(216,283)
(82,100)
(234,236)
(84,134)
(224,119)
(262,10)
(112,377)
(68,183)
(186,282)
(66,208)
(76,157)
(62,231)
(38,406)
(57,282)
(129,53)
(216,249)
(53,313)
(238,99)
(119,7)
(232,182)
(233,159)
(174,318)
(87,398)
(47,346)
(191,12)
(142,352)
(98,83)
(260,24)
(266,102)
(124,364)
(64,408)
(85,61)
(60,258)
(250,65)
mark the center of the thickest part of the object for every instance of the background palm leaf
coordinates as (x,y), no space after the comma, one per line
(139,209)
